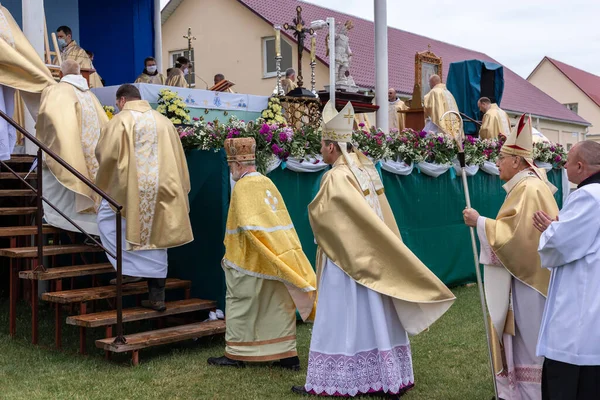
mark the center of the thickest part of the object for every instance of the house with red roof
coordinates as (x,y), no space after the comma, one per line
(236,38)
(576,89)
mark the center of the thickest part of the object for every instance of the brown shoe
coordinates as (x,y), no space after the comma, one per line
(154,305)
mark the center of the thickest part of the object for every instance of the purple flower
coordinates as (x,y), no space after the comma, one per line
(471,139)
(276,149)
(196,119)
(404,139)
(422,134)
(552,148)
(265,129)
(558,158)
(440,139)
(269,137)
(184,133)
(361,124)
(287,135)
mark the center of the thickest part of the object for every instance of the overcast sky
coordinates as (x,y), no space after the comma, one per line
(516,33)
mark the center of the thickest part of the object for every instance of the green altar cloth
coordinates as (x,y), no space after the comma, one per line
(428,212)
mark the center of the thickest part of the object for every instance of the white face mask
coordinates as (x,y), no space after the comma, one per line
(186,71)
(151,69)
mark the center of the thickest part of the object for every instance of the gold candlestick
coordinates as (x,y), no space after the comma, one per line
(277,40)
(313,47)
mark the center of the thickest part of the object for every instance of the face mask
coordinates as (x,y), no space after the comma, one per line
(186,71)
(62,43)
(151,69)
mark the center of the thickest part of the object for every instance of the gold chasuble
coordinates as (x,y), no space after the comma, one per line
(73,52)
(437,102)
(268,275)
(143,167)
(69,122)
(20,66)
(495,122)
(158,79)
(354,226)
(176,78)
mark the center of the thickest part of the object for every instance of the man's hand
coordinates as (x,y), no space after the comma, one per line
(470,216)
(542,221)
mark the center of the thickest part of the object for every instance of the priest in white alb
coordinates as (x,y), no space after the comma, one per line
(516,285)
(69,123)
(22,69)
(438,101)
(373,291)
(141,164)
(570,249)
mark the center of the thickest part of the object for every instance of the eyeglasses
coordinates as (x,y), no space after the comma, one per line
(502,157)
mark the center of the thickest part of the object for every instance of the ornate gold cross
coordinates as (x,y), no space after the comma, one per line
(349,117)
(189,38)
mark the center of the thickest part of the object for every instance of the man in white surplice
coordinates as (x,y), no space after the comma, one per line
(373,291)
(516,285)
(570,249)
(69,123)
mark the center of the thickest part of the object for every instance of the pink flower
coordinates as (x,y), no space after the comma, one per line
(196,119)
(361,124)
(276,149)
(184,133)
(265,129)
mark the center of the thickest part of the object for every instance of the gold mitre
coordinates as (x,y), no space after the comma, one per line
(520,140)
(240,149)
(338,127)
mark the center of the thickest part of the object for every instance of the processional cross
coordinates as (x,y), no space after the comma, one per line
(189,38)
(299,33)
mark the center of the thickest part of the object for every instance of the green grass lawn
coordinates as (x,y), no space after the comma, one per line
(450,362)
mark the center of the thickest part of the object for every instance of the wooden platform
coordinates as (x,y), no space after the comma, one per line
(54,250)
(13,231)
(163,336)
(9,175)
(107,292)
(67,272)
(17,193)
(20,159)
(108,318)
(17,210)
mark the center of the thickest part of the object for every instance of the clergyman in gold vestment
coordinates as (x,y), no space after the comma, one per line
(141,164)
(69,123)
(373,291)
(495,121)
(21,69)
(515,283)
(150,73)
(70,50)
(268,276)
(177,74)
(438,101)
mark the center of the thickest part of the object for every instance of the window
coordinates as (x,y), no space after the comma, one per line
(572,106)
(173,55)
(569,145)
(269,68)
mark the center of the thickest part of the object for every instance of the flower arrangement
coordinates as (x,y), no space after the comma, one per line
(173,107)
(272,114)
(110,111)
(473,153)
(373,142)
(489,148)
(551,153)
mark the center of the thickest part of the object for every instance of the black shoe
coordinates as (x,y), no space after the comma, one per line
(300,390)
(225,362)
(154,305)
(291,363)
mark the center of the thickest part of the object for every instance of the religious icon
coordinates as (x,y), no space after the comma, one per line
(427,70)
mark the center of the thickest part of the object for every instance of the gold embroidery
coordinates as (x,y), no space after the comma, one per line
(334,136)
(90,131)
(146,153)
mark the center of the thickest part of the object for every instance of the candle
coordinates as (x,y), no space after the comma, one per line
(313,47)
(277,40)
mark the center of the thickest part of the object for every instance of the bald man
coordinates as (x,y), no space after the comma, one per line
(69,123)
(570,248)
(438,101)
(397,121)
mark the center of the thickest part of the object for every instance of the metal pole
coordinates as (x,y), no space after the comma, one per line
(39,214)
(312,78)
(119,339)
(278,67)
(381,65)
(332,71)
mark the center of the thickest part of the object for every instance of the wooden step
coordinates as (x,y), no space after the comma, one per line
(4,211)
(108,318)
(20,159)
(67,272)
(9,175)
(163,336)
(12,231)
(53,250)
(107,292)
(17,193)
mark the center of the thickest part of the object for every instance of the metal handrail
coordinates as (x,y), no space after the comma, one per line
(119,339)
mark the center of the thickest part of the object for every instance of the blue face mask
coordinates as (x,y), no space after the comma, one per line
(62,43)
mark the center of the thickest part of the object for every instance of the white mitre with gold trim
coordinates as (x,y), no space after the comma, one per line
(338,127)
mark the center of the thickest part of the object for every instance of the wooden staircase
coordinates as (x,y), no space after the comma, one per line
(88,267)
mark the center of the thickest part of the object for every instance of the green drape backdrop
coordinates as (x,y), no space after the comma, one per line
(428,212)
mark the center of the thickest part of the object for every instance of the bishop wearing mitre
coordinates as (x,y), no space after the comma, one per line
(21,69)
(69,123)
(516,284)
(438,101)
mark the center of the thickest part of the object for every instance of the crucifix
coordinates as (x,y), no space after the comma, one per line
(349,117)
(189,38)
(300,32)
